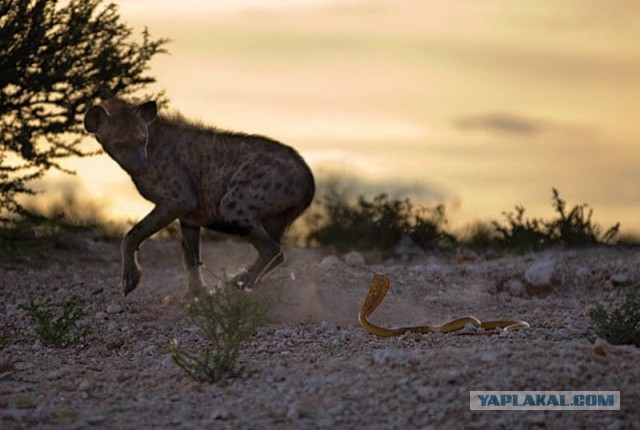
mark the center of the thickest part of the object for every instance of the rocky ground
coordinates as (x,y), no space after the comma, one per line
(312,366)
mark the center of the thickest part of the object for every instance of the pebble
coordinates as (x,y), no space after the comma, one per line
(16,414)
(114,308)
(330,260)
(489,357)
(561,333)
(354,259)
(407,247)
(582,272)
(293,412)
(84,385)
(221,413)
(95,419)
(59,373)
(620,279)
(514,287)
(540,273)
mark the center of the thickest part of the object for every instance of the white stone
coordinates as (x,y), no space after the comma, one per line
(514,287)
(330,260)
(354,259)
(540,273)
(114,308)
(407,247)
(618,279)
(582,272)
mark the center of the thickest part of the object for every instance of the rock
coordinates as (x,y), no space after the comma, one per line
(6,365)
(84,385)
(59,373)
(354,259)
(114,308)
(540,273)
(514,287)
(221,413)
(114,343)
(582,272)
(407,248)
(620,279)
(15,414)
(561,333)
(293,412)
(95,419)
(330,260)
(489,357)
(100,315)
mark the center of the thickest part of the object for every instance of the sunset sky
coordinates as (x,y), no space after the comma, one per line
(481,105)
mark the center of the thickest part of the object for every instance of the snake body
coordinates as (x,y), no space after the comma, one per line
(377,292)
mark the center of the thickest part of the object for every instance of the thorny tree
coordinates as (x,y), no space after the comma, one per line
(56,59)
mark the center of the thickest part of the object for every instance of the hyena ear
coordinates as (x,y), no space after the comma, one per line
(148,111)
(93,118)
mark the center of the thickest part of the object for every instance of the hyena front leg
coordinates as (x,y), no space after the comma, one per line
(158,218)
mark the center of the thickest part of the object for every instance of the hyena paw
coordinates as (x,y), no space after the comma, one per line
(130,278)
(242,281)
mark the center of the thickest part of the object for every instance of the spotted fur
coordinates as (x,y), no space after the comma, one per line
(246,185)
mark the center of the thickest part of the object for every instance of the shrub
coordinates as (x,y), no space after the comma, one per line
(479,235)
(227,318)
(620,325)
(574,228)
(61,331)
(520,233)
(379,223)
(571,228)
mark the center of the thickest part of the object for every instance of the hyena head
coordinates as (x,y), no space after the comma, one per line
(123,131)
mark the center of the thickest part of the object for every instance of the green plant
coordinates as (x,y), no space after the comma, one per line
(64,415)
(4,339)
(227,318)
(24,401)
(379,223)
(61,331)
(620,325)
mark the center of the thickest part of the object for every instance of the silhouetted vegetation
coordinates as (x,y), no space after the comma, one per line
(57,59)
(619,325)
(39,228)
(379,223)
(573,228)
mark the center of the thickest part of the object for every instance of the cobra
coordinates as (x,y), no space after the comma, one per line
(377,292)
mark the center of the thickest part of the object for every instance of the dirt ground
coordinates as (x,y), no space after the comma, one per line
(312,366)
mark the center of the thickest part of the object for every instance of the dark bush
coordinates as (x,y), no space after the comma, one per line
(620,325)
(379,223)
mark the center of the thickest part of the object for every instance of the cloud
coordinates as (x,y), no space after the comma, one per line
(501,123)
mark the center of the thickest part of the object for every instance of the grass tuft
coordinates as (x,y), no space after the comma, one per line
(227,319)
(619,325)
(58,331)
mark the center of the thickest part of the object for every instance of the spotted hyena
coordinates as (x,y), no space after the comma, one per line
(241,184)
